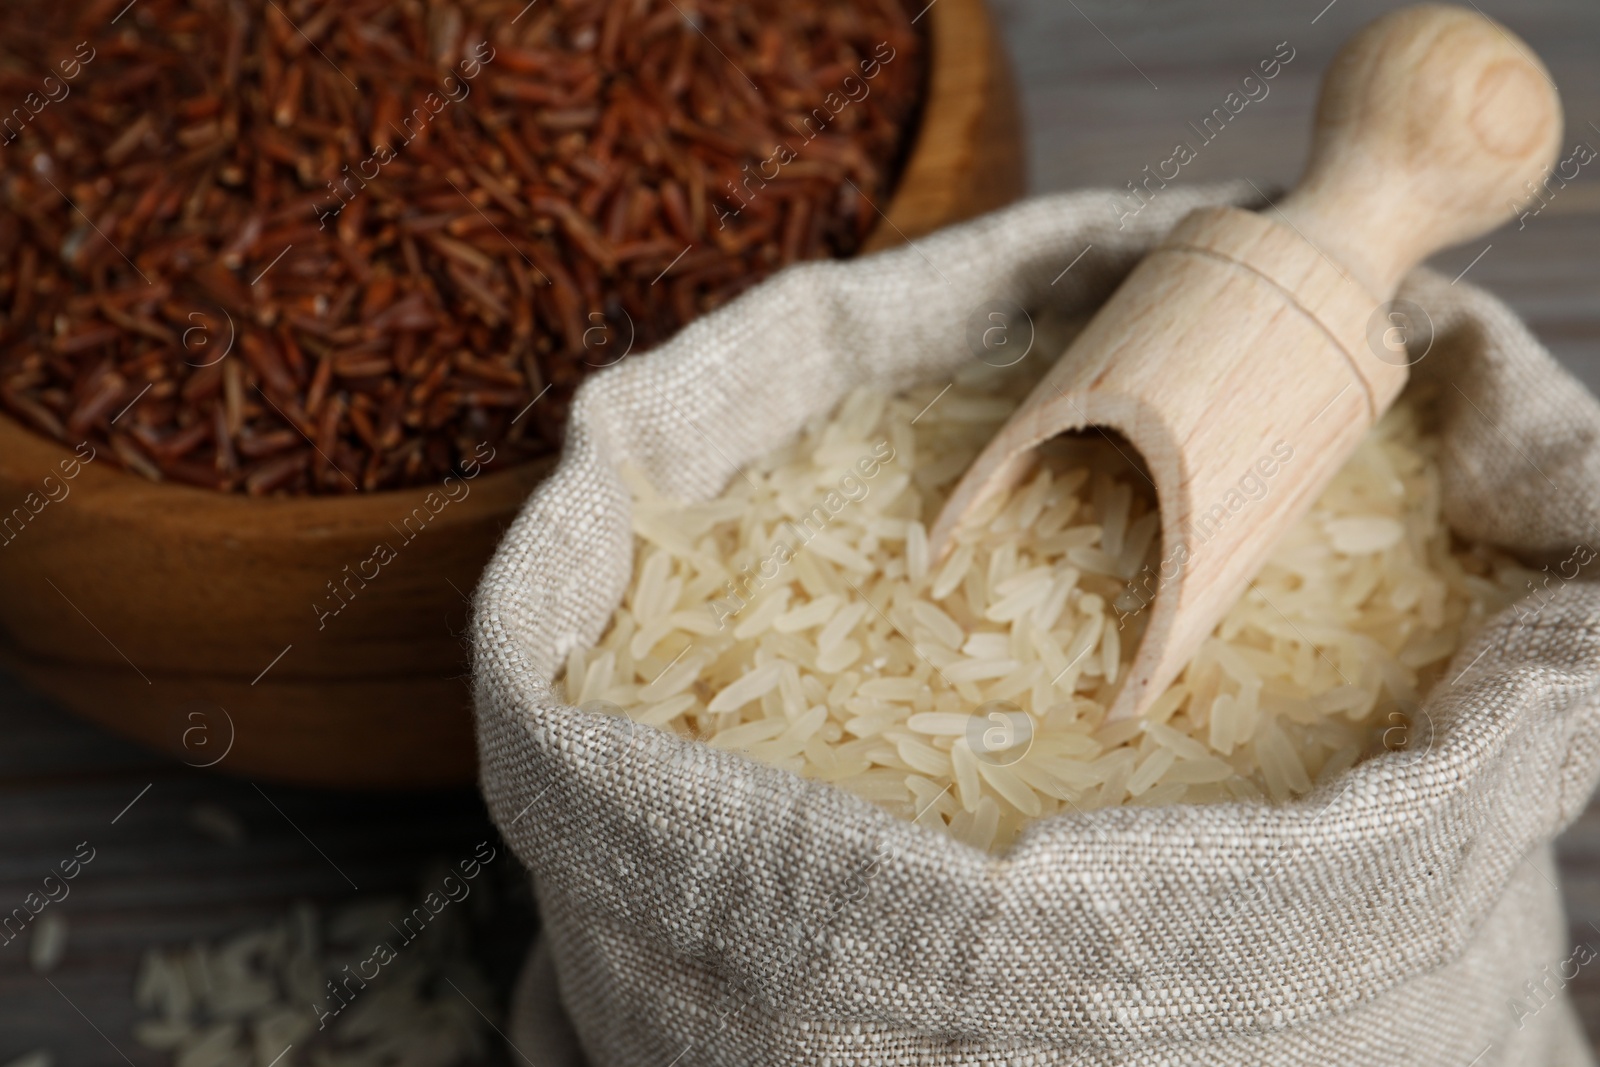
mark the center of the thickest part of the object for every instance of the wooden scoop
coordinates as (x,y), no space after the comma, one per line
(1253,350)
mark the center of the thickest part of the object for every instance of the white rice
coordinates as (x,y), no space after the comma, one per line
(47,943)
(256,998)
(37,1058)
(857,661)
(217,823)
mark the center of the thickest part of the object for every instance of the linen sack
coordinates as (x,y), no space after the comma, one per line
(700,908)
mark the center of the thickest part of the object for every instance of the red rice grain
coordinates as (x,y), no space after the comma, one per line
(187,286)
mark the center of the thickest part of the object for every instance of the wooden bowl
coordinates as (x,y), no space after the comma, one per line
(189,620)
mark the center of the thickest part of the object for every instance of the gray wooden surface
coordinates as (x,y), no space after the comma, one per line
(157,879)
(1108,86)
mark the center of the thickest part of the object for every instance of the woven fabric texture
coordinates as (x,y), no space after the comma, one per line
(700,908)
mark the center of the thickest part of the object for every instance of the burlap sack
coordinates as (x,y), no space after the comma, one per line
(699,908)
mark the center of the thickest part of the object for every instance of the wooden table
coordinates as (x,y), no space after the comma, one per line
(1108,86)
(157,879)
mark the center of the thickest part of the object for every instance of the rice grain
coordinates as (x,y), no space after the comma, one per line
(864,663)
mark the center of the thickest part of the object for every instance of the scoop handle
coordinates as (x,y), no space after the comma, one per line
(1432,124)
